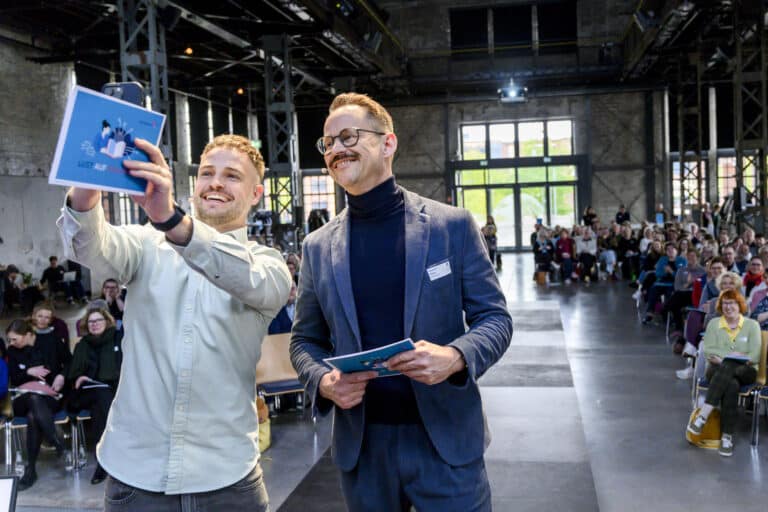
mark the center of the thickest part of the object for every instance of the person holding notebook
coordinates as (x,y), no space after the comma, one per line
(396,265)
(732,345)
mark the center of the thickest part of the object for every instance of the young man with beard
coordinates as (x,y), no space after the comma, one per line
(396,265)
(182,430)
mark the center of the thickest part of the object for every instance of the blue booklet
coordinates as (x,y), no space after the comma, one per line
(370,359)
(97,134)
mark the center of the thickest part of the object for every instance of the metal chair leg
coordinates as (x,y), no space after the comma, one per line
(8,448)
(755,419)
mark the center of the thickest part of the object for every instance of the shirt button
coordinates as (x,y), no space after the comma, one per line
(188,339)
(180,407)
(188,307)
(185,373)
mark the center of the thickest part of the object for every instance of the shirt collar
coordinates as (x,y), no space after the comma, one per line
(724,324)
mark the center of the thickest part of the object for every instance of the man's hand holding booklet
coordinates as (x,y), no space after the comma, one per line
(371,360)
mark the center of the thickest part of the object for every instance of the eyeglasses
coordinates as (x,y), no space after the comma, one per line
(348,138)
(96,321)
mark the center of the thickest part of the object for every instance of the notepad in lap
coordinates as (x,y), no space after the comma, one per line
(737,358)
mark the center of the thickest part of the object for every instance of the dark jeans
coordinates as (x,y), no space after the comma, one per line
(39,411)
(587,261)
(566,268)
(677,302)
(725,380)
(655,292)
(72,289)
(96,400)
(630,266)
(247,495)
(399,468)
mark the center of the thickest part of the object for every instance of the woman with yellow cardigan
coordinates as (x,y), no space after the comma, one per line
(732,348)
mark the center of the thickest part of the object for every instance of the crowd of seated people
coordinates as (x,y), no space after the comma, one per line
(715,279)
(45,377)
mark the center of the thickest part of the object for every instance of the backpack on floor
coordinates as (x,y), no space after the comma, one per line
(710,434)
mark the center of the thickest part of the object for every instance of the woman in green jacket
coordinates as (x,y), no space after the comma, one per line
(95,371)
(732,347)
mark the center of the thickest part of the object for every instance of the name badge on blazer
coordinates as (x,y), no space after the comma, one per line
(439,270)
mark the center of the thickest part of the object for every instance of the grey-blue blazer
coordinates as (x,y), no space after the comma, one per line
(325,323)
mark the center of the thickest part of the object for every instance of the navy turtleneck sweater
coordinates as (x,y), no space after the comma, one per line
(377,266)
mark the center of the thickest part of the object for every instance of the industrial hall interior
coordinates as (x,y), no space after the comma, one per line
(556,208)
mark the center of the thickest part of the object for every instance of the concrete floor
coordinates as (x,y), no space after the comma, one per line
(584,409)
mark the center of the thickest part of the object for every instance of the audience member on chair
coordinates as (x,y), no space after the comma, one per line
(95,371)
(42,360)
(53,278)
(730,334)
(666,268)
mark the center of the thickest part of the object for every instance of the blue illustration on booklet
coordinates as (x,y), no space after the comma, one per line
(97,134)
(371,359)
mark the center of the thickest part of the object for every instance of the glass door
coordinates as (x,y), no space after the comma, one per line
(533,209)
(503,211)
(562,205)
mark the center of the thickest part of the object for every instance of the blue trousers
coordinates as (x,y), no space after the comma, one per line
(399,468)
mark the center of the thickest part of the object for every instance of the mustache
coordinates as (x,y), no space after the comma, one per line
(343,155)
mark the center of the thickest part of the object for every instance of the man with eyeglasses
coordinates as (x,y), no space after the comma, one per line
(182,431)
(390,266)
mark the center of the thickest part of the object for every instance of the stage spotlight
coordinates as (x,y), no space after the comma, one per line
(188,50)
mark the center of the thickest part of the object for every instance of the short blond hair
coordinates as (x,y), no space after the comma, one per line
(376,112)
(238,143)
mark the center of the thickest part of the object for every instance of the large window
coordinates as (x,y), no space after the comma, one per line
(517,139)
(516,28)
(726,176)
(319,194)
(685,183)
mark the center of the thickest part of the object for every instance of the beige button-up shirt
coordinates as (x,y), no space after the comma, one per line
(184,416)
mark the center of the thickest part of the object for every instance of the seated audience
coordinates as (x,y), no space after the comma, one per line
(683,288)
(43,363)
(543,251)
(586,250)
(666,268)
(115,299)
(53,278)
(728,253)
(565,254)
(714,270)
(11,287)
(95,372)
(754,276)
(47,325)
(731,334)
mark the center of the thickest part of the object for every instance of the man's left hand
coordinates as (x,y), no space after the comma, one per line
(428,363)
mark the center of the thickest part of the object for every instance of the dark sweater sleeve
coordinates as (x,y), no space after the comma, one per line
(18,375)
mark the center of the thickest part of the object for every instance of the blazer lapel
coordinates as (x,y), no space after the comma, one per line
(342,274)
(416,249)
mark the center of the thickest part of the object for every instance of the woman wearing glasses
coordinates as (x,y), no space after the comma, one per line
(732,346)
(36,366)
(95,371)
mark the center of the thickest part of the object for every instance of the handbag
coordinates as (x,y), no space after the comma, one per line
(710,434)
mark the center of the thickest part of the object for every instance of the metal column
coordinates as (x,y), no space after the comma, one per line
(689,134)
(282,134)
(749,97)
(143,56)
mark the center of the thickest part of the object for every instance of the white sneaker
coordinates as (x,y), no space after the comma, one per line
(685,373)
(726,445)
(567,281)
(689,350)
(636,295)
